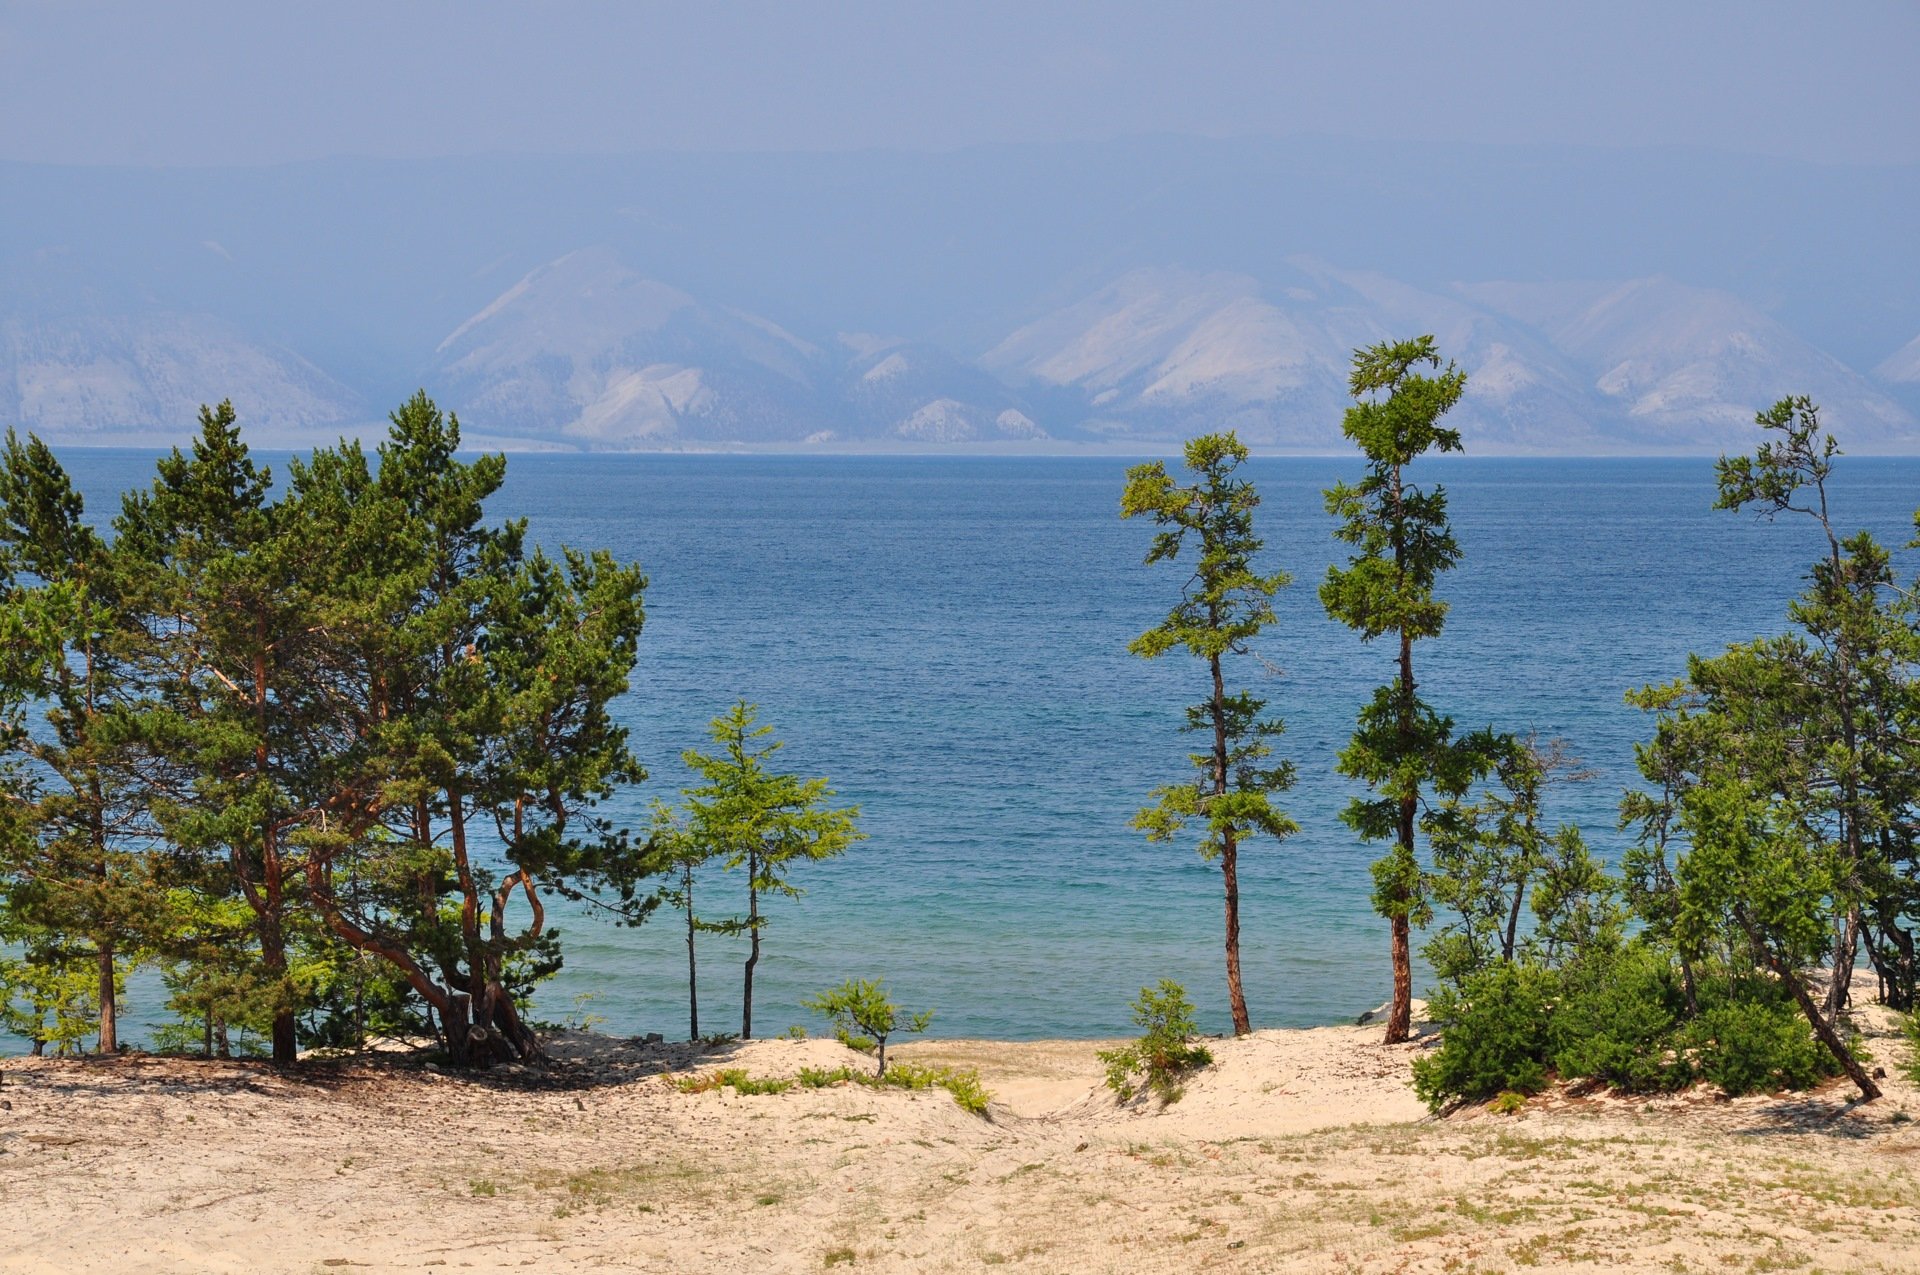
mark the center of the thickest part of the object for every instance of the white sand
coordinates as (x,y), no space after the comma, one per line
(1297,1150)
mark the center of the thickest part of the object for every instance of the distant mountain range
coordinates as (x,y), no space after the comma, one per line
(1108,344)
(1647,364)
(128,378)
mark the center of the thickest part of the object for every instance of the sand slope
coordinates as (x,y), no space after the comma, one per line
(1298,1150)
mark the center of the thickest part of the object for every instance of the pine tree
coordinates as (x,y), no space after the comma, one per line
(1859,654)
(236,674)
(1402,543)
(478,680)
(766,821)
(83,876)
(1224,604)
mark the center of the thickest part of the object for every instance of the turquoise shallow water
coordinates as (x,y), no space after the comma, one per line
(946,638)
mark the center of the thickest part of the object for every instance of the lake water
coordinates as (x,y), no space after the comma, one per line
(946,638)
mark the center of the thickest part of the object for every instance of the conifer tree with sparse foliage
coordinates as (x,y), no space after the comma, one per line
(1224,604)
(1402,543)
(751,816)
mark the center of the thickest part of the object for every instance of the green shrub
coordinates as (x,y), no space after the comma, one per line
(1507,1103)
(863,1016)
(1165,1053)
(1617,1022)
(963,1084)
(1911,1030)
(1753,1045)
(1496,1038)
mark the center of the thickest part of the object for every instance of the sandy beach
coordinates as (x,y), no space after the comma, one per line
(1297,1150)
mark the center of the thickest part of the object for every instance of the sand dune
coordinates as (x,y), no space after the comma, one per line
(1297,1150)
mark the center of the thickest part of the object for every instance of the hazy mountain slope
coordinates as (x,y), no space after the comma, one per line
(1674,365)
(104,378)
(362,264)
(587,351)
(1902,367)
(363,267)
(1158,353)
(918,392)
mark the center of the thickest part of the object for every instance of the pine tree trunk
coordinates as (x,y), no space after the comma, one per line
(109,1025)
(1512,936)
(753,954)
(273,958)
(693,970)
(1846,946)
(457,1017)
(1229,853)
(273,945)
(1400,1015)
(1815,1019)
(1229,869)
(97,829)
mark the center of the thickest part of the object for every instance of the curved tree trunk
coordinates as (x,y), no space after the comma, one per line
(1822,1027)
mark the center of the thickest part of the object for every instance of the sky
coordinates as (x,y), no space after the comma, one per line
(192,84)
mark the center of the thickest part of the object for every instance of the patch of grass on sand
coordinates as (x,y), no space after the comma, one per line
(734,1078)
(962,1083)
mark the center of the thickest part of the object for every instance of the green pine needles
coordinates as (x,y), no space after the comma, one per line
(1223,606)
(1402,543)
(860,1009)
(752,816)
(1165,1053)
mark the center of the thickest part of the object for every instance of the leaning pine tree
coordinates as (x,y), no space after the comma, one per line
(1224,604)
(1402,543)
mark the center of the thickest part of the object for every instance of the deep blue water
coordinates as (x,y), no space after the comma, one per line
(946,638)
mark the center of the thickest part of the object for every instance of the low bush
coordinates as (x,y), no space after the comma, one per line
(1616,1022)
(963,1084)
(863,1016)
(1620,1019)
(1507,1103)
(1165,1053)
(1756,1045)
(1496,1038)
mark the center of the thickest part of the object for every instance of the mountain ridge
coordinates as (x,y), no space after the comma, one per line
(330,284)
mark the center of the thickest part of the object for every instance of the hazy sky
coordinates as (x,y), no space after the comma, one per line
(254,82)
